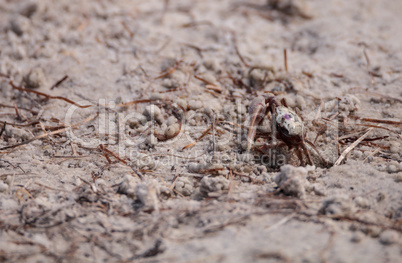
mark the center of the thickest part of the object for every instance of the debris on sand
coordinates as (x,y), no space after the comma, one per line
(35,79)
(213,186)
(339,205)
(292,180)
(184,186)
(147,194)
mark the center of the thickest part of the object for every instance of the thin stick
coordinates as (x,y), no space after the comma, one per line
(213,135)
(106,150)
(380,127)
(353,145)
(48,96)
(127,29)
(13,165)
(238,52)
(168,71)
(372,154)
(12,107)
(280,222)
(376,120)
(58,83)
(351,135)
(163,46)
(318,113)
(366,57)
(178,156)
(199,139)
(285,55)
(133,102)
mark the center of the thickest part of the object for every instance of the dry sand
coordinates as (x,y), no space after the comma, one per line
(108,183)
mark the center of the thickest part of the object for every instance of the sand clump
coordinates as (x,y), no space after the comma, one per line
(337,206)
(212,186)
(292,181)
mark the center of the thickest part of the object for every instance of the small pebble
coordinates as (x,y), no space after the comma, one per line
(381,196)
(382,167)
(34,79)
(156,96)
(357,154)
(3,186)
(20,25)
(209,77)
(171,130)
(319,189)
(182,103)
(29,9)
(362,202)
(170,83)
(152,140)
(300,102)
(137,120)
(389,237)
(394,147)
(195,104)
(392,168)
(171,120)
(290,101)
(222,147)
(357,237)
(212,64)
(398,177)
(153,112)
(247,169)
(373,231)
(257,78)
(168,63)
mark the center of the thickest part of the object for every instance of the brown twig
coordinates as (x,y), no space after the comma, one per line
(285,58)
(238,52)
(125,26)
(376,120)
(12,107)
(169,71)
(134,102)
(48,96)
(58,83)
(106,150)
(199,138)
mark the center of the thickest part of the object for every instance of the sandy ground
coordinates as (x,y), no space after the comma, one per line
(140,153)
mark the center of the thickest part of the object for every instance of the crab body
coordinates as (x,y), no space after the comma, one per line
(287,126)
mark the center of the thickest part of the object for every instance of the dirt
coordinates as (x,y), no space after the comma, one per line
(124,131)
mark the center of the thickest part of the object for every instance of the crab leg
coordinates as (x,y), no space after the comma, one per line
(257,110)
(307,153)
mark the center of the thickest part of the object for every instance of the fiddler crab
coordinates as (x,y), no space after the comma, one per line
(287,126)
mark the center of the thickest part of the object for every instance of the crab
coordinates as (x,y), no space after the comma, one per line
(287,126)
